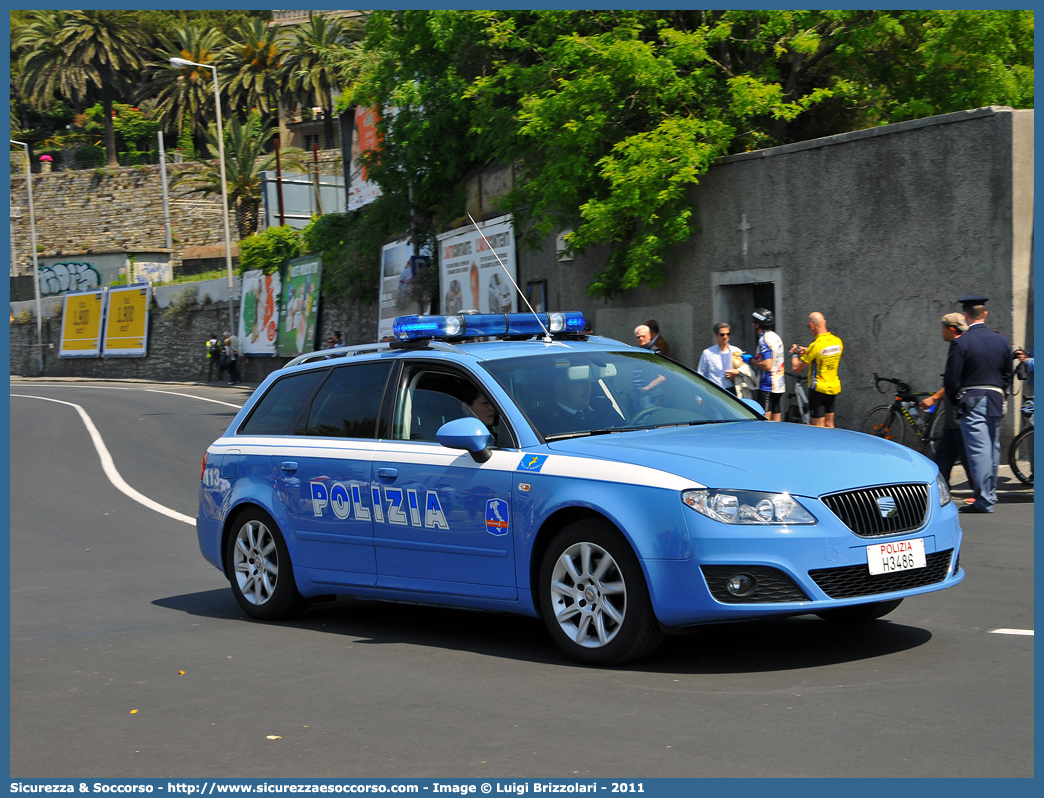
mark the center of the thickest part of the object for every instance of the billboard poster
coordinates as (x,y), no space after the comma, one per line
(399,284)
(258,322)
(82,324)
(470,276)
(127,321)
(299,306)
(365,137)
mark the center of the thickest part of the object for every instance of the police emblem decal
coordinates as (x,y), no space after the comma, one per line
(497,517)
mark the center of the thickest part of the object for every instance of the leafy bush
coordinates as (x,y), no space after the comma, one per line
(267,251)
(350,244)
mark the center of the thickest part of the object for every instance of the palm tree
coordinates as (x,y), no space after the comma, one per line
(311,63)
(185,96)
(251,66)
(245,160)
(69,54)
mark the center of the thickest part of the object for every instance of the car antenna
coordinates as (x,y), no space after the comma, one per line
(547,334)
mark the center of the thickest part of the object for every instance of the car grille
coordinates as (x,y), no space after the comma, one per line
(852,581)
(861,510)
(772,584)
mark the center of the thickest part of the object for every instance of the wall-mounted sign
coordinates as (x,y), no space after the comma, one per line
(299,307)
(401,281)
(470,270)
(258,313)
(82,324)
(127,321)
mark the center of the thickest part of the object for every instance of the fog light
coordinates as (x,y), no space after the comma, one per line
(741,585)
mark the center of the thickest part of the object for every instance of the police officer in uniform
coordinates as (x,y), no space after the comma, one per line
(978,372)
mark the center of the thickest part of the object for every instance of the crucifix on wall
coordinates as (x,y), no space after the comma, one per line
(744,227)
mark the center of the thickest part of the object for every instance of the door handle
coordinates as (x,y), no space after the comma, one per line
(289,466)
(387,473)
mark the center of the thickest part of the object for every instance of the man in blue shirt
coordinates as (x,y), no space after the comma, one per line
(978,372)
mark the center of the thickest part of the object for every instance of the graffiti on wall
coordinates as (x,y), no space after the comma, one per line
(67,278)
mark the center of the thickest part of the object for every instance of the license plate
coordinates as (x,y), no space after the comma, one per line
(900,555)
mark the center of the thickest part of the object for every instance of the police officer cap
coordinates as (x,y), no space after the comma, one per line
(973,299)
(763,315)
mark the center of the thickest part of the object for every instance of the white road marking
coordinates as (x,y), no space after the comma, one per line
(110,467)
(200,398)
(1028,632)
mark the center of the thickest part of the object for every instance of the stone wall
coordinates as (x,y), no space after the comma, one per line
(116,210)
(176,350)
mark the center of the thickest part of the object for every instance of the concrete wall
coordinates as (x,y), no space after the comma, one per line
(881,230)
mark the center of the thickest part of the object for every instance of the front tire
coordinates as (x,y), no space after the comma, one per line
(259,568)
(1021,457)
(860,613)
(884,422)
(593,596)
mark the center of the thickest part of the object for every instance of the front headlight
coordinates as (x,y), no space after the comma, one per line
(944,492)
(747,507)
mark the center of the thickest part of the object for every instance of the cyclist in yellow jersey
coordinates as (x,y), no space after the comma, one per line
(824,354)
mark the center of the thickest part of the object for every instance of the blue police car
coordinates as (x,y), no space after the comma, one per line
(611,492)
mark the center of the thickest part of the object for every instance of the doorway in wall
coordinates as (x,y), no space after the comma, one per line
(736,301)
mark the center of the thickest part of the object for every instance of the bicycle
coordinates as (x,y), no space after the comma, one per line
(798,410)
(890,421)
(1020,453)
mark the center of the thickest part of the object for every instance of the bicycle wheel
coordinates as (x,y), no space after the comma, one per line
(885,422)
(1020,456)
(935,430)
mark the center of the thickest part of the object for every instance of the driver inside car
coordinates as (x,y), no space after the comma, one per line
(572,409)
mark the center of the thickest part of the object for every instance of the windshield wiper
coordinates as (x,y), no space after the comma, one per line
(714,421)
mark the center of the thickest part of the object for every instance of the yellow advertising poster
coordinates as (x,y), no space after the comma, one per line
(127,321)
(81,325)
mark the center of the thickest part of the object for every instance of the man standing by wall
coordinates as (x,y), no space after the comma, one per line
(768,358)
(824,353)
(950,448)
(213,357)
(658,340)
(978,372)
(232,355)
(716,362)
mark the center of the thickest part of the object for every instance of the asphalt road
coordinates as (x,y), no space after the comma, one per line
(130,658)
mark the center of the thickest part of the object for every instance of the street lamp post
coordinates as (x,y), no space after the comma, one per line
(36,264)
(178,63)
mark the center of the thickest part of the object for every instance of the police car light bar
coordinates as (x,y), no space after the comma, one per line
(416,328)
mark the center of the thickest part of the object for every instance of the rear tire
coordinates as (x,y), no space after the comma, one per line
(884,422)
(860,613)
(259,568)
(1020,457)
(593,597)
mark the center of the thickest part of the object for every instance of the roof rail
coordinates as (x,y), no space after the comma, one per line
(340,351)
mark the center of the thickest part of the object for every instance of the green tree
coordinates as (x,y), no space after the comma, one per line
(185,96)
(251,66)
(73,53)
(245,159)
(312,61)
(610,117)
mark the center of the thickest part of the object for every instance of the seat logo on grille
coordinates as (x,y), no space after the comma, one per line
(886,506)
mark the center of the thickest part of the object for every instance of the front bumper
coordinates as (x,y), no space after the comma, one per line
(797,569)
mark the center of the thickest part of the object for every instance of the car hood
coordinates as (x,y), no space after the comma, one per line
(761,455)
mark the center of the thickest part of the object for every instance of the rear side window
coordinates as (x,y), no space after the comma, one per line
(348,404)
(282,410)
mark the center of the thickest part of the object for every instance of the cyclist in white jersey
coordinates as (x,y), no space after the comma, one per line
(768,357)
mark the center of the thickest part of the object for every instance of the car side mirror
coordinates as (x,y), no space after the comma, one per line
(753,406)
(466,433)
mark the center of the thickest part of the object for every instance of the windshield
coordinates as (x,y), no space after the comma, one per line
(589,393)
